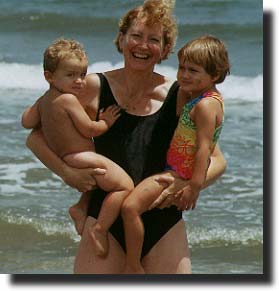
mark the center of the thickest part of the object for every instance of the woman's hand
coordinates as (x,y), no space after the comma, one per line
(81,179)
(171,195)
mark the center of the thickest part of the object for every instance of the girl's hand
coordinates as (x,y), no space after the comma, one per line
(81,179)
(110,115)
(188,198)
(170,196)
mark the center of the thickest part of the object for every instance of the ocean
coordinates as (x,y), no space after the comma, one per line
(225,231)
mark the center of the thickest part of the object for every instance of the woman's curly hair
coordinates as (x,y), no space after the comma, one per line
(152,12)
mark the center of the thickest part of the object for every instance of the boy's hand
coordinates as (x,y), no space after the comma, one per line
(188,197)
(110,115)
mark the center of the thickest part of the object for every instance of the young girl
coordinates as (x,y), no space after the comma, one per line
(203,63)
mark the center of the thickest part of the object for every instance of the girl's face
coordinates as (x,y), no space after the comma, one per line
(194,79)
(69,77)
(142,46)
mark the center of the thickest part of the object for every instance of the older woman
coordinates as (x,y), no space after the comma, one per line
(138,142)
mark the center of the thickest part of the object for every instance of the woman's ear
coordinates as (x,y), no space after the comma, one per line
(166,52)
(120,39)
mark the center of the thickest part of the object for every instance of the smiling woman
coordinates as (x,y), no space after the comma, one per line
(228,220)
(143,132)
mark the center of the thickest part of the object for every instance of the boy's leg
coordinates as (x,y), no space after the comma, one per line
(78,212)
(116,181)
(134,205)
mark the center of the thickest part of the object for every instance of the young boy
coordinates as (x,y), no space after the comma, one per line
(203,62)
(68,131)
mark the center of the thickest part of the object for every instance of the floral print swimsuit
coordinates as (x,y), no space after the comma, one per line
(183,146)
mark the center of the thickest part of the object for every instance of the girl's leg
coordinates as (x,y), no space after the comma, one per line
(88,262)
(109,212)
(171,253)
(134,205)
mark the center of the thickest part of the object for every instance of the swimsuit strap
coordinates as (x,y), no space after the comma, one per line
(216,96)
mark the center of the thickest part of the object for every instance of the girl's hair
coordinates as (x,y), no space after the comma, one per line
(62,49)
(210,53)
(152,12)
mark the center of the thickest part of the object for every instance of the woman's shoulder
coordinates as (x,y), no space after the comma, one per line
(163,85)
(92,81)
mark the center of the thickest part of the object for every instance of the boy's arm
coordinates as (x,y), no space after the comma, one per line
(80,118)
(31,116)
(81,179)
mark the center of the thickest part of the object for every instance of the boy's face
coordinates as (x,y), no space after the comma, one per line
(193,78)
(69,77)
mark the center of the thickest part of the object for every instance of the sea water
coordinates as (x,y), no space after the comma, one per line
(225,231)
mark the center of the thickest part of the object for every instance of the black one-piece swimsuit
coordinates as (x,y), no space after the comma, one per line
(138,144)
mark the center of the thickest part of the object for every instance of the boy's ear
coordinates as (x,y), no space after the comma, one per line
(48,76)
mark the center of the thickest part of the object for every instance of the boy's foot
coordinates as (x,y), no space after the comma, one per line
(79,217)
(100,240)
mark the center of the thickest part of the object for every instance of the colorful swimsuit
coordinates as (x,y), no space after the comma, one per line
(183,147)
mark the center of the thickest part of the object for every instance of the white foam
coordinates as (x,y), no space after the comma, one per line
(24,76)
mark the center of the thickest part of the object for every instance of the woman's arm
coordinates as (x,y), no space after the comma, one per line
(81,179)
(167,198)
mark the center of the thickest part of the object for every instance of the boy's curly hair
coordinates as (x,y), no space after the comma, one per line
(61,49)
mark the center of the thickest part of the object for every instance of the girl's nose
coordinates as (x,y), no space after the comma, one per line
(78,80)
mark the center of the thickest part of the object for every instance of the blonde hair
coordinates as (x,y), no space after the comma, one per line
(152,12)
(61,49)
(210,53)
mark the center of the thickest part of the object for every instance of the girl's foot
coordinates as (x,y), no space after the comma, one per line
(100,240)
(79,216)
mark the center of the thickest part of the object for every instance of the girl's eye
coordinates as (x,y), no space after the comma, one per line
(83,75)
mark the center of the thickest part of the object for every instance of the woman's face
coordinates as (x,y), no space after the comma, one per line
(142,45)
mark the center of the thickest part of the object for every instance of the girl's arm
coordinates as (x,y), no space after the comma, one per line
(215,170)
(81,179)
(31,116)
(204,116)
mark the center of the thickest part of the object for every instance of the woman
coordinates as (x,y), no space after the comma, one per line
(137,142)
